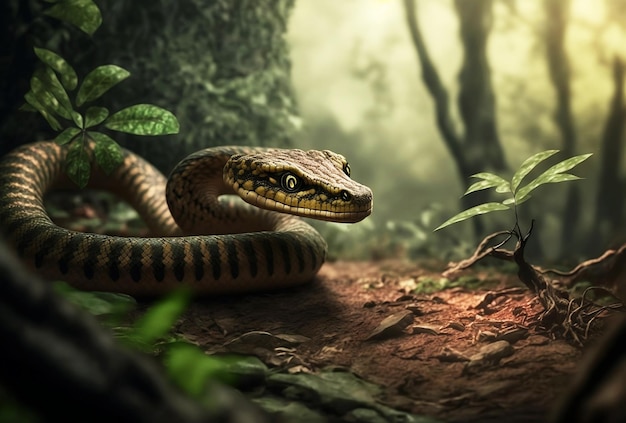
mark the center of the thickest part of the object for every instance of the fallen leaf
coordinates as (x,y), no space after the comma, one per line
(421,328)
(392,325)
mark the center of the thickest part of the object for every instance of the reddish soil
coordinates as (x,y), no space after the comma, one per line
(416,365)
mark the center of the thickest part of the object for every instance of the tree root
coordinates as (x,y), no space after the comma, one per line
(563,317)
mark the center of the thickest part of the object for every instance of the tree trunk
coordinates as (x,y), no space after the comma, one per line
(476,97)
(479,148)
(222,67)
(610,199)
(558,68)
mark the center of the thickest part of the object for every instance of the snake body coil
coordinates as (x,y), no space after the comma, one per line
(209,244)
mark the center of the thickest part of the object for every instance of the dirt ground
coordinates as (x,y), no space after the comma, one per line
(446,356)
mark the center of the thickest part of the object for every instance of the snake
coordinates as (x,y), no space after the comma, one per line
(202,236)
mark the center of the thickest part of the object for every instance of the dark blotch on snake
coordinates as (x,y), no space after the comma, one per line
(178,252)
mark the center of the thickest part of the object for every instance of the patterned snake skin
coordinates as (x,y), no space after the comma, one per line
(212,245)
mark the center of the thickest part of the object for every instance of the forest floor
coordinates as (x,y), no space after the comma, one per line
(390,341)
(377,348)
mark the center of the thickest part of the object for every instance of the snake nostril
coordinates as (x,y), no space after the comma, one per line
(345,196)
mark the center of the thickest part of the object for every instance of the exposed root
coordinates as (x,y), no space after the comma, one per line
(563,317)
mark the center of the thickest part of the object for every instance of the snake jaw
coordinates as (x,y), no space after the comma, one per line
(313,184)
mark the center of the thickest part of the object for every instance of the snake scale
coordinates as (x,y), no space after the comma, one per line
(212,244)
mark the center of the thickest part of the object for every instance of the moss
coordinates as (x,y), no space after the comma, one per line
(221,66)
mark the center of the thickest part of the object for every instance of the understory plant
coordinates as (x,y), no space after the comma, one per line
(67,105)
(562,316)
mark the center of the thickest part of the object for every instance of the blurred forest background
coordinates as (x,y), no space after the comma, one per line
(417,94)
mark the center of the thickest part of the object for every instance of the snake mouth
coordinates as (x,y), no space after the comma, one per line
(353,212)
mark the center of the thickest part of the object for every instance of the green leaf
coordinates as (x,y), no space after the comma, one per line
(107,152)
(46,85)
(523,193)
(78,119)
(83,14)
(27,108)
(99,81)
(95,116)
(144,119)
(191,368)
(528,165)
(32,100)
(60,66)
(45,98)
(471,212)
(78,167)
(67,135)
(489,180)
(552,175)
(97,303)
(49,95)
(159,319)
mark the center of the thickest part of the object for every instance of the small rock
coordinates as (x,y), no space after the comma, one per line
(493,351)
(512,335)
(488,354)
(450,355)
(538,340)
(486,336)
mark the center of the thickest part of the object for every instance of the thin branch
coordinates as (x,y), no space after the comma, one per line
(483,250)
(433,84)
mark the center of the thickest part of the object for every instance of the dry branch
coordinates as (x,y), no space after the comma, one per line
(562,316)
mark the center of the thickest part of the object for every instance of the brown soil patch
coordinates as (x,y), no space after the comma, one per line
(349,300)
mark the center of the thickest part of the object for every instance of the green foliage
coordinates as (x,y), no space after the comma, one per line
(187,365)
(517,194)
(84,14)
(191,369)
(99,81)
(49,94)
(157,322)
(109,304)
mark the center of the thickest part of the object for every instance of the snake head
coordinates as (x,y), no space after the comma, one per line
(312,183)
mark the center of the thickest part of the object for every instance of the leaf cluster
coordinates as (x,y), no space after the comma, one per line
(55,92)
(187,365)
(517,194)
(50,89)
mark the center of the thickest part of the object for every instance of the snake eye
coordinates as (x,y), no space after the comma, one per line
(345,196)
(346,169)
(290,182)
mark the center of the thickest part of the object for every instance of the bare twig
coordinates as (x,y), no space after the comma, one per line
(483,250)
(562,316)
